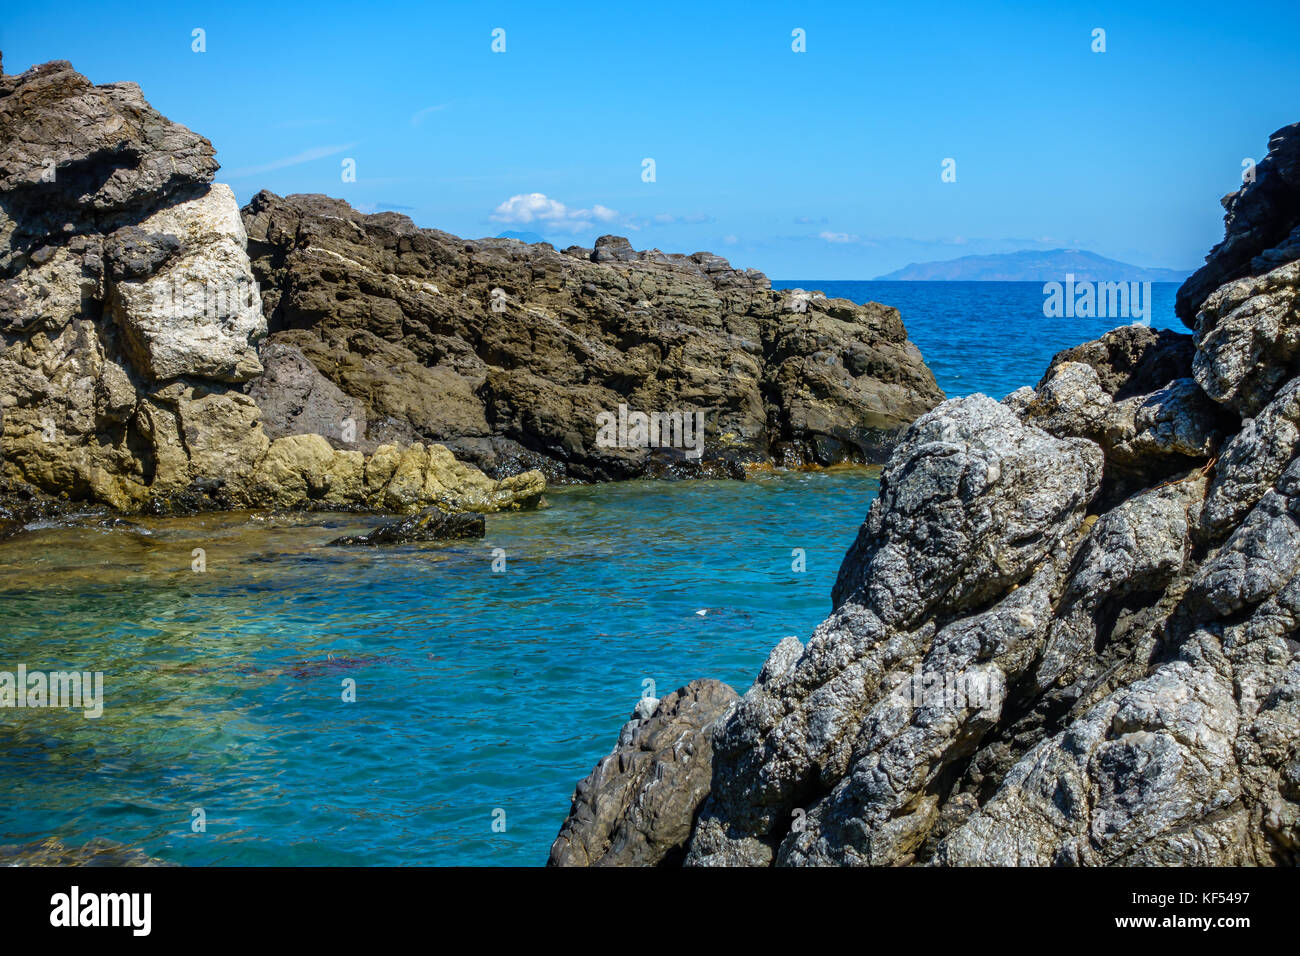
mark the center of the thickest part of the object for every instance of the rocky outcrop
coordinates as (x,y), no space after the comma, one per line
(130,329)
(1069,630)
(636,807)
(147,363)
(508,353)
(1261,224)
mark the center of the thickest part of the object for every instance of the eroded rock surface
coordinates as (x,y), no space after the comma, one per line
(1069,631)
(636,807)
(508,352)
(130,329)
(1260,226)
(148,363)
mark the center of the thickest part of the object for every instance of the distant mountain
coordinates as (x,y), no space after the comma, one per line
(522,236)
(1033,265)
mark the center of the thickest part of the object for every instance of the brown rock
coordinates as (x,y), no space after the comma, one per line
(506,352)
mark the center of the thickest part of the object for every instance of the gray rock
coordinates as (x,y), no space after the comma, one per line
(1254,459)
(1248,339)
(972,503)
(110,152)
(200,313)
(129,316)
(296,399)
(1069,631)
(1145,762)
(1259,218)
(509,353)
(1132,359)
(637,805)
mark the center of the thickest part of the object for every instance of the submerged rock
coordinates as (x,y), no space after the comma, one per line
(429,525)
(96,852)
(1069,631)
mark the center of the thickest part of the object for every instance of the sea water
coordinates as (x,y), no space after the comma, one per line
(293,703)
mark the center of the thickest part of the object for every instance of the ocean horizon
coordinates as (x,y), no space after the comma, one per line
(982,336)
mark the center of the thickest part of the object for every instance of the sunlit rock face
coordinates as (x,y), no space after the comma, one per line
(1068,632)
(131,325)
(509,353)
(198,311)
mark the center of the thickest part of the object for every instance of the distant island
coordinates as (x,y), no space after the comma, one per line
(1033,265)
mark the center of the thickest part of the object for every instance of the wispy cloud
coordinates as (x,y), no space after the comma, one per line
(837,236)
(297,159)
(693,219)
(420,116)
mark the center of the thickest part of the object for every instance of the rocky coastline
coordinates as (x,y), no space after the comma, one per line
(163,351)
(1068,632)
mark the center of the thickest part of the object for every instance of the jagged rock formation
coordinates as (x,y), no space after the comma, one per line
(1069,629)
(508,352)
(636,807)
(1261,220)
(136,369)
(130,325)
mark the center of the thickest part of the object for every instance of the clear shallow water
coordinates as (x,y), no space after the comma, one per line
(475,690)
(989,337)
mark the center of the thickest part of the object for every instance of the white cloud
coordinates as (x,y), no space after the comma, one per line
(527,208)
(837,236)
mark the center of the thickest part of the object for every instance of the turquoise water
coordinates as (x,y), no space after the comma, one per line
(989,337)
(475,690)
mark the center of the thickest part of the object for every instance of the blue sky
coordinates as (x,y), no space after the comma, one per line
(824,164)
